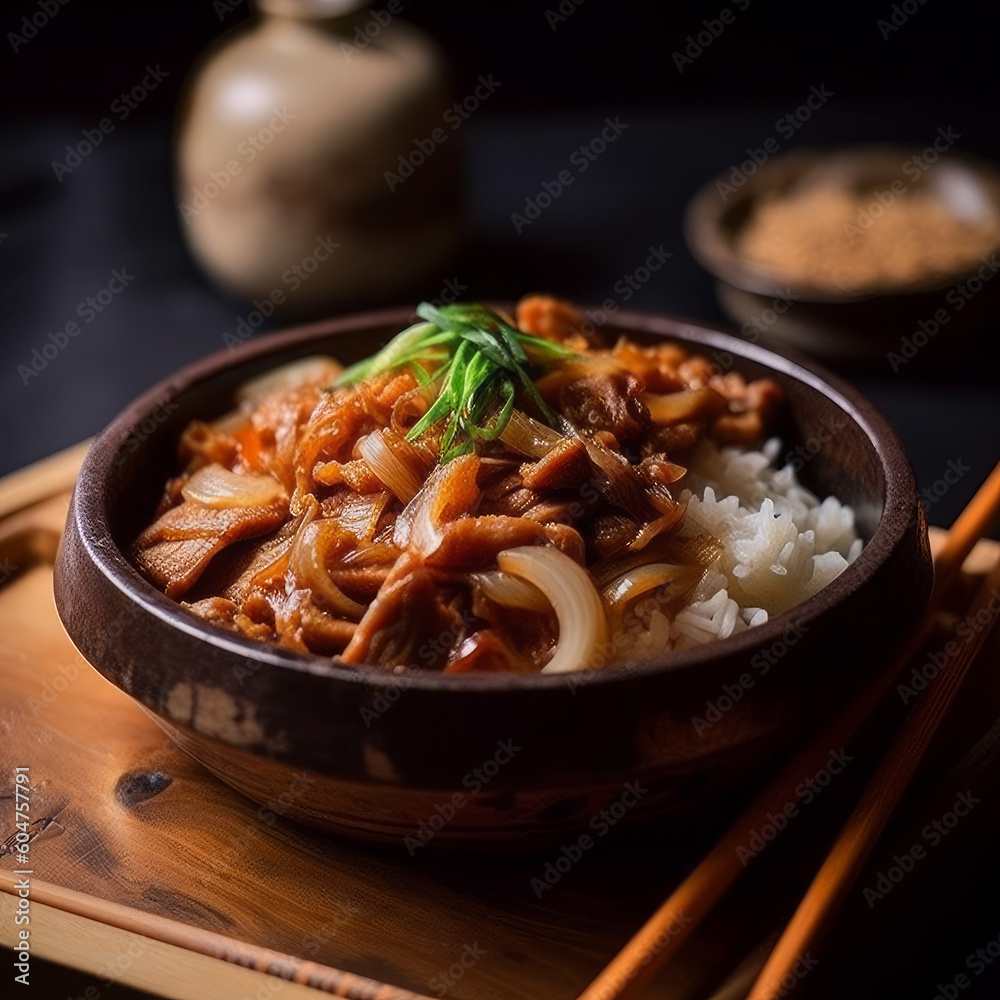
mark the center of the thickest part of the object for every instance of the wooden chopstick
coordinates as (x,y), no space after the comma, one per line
(880,798)
(968,528)
(666,930)
(281,966)
(739,981)
(661,937)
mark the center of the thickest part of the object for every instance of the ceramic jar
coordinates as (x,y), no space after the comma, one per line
(291,140)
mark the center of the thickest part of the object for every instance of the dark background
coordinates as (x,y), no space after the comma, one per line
(607,58)
(117,210)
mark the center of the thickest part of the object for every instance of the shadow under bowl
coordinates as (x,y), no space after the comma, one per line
(463,761)
(924,320)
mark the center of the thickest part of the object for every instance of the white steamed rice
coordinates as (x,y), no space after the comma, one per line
(781,546)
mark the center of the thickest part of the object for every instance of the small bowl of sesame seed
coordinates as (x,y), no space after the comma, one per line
(881,254)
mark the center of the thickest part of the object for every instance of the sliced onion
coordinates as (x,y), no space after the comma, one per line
(361,513)
(528,436)
(449,492)
(216,487)
(412,405)
(662,499)
(316,370)
(639,580)
(509,591)
(699,552)
(382,551)
(625,488)
(395,461)
(316,544)
(660,472)
(660,526)
(231,422)
(684,406)
(402,529)
(701,549)
(582,624)
(627,588)
(560,375)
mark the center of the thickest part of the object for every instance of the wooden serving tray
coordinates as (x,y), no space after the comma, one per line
(149,871)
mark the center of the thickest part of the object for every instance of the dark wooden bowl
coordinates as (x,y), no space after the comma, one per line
(469,761)
(839,325)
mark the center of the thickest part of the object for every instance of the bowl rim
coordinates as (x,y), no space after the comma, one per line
(91,520)
(704,211)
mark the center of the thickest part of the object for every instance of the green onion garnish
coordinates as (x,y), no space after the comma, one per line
(482,363)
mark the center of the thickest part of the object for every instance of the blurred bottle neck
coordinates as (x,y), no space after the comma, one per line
(309,10)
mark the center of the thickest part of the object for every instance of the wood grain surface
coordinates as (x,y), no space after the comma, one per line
(139,849)
(122,815)
(116,955)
